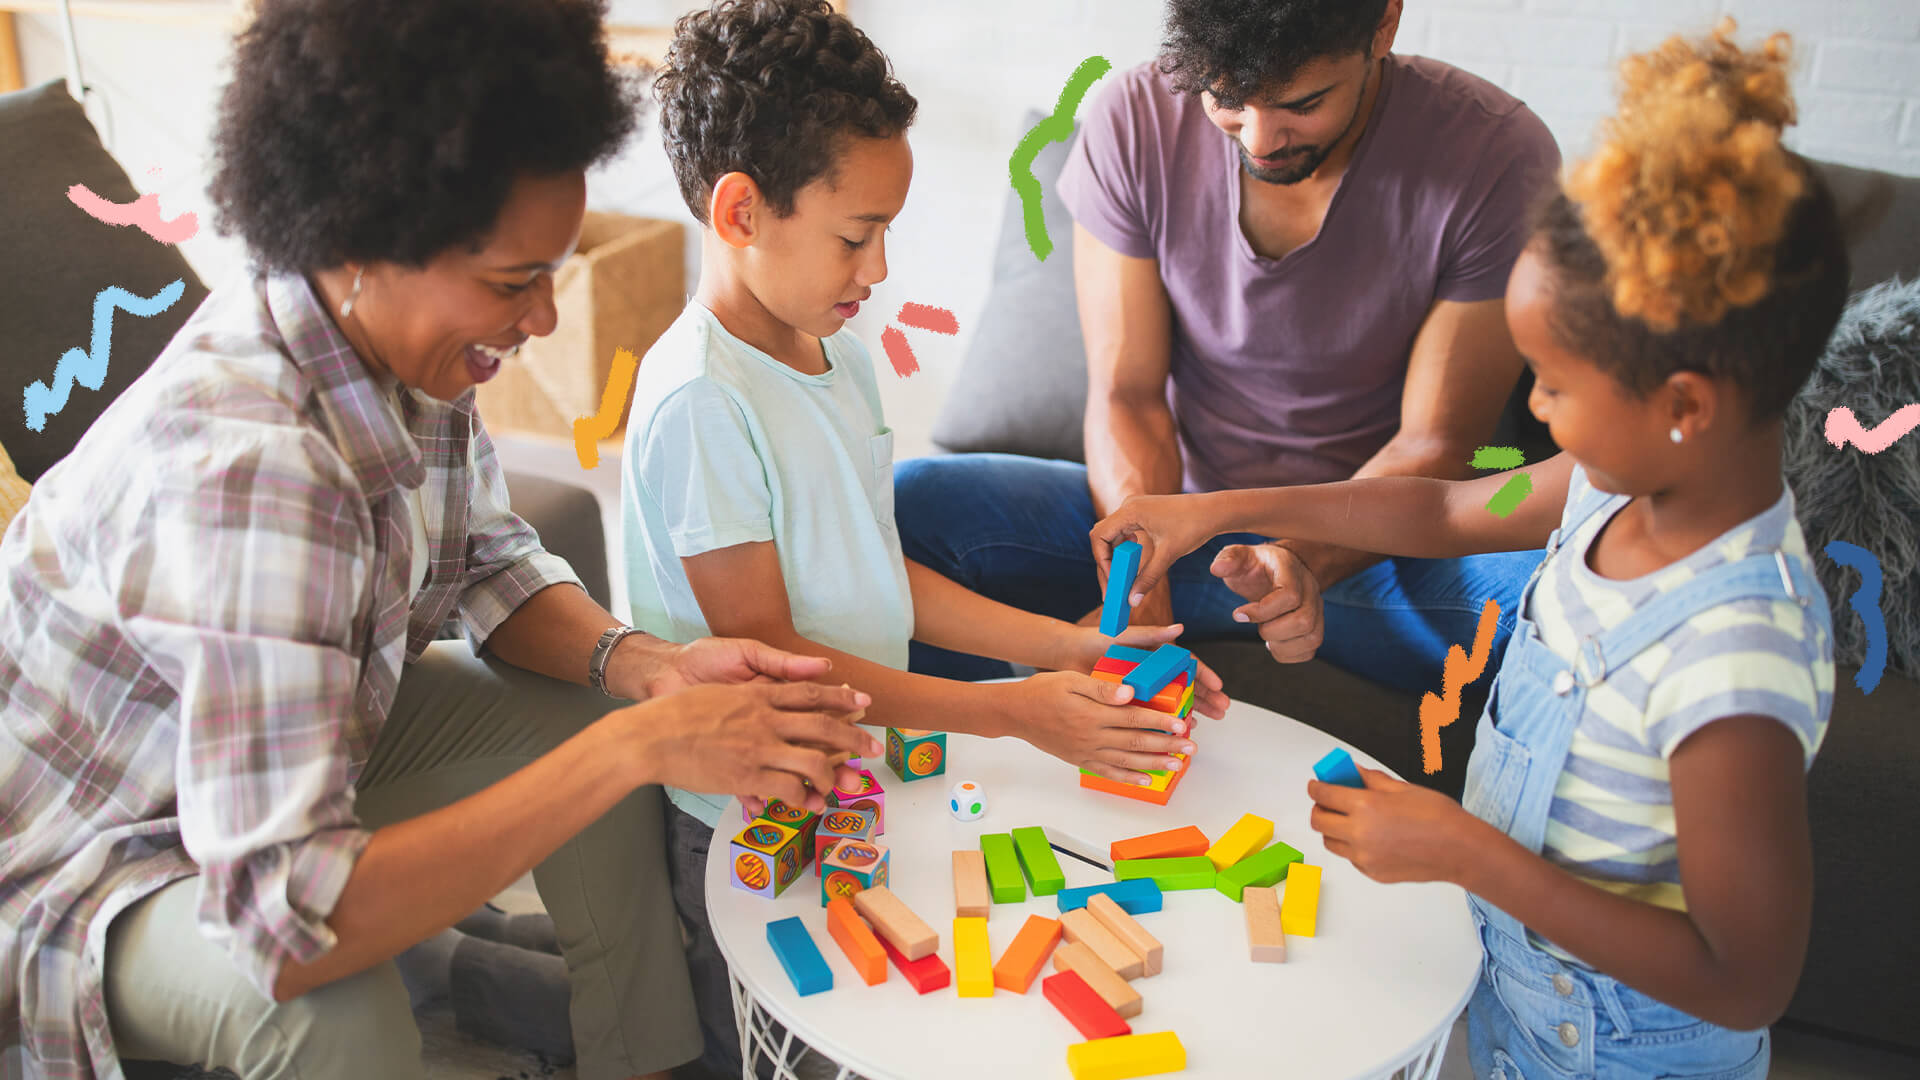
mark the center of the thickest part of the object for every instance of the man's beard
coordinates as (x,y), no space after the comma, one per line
(1299,165)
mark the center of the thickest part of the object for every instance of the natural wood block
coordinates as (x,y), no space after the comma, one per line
(1266,941)
(894,920)
(1131,933)
(1082,928)
(971,900)
(1106,982)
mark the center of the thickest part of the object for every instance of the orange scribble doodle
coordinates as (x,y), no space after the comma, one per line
(1439,710)
(589,430)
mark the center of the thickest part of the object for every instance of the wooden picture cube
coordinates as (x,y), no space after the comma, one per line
(804,822)
(914,754)
(766,858)
(867,795)
(852,866)
(837,824)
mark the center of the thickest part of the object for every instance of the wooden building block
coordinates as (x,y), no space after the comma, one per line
(1299,909)
(836,825)
(971,900)
(1081,928)
(1126,653)
(1259,870)
(1125,1056)
(1266,942)
(972,960)
(1106,982)
(1131,934)
(1183,842)
(850,866)
(892,919)
(1191,872)
(856,939)
(1003,868)
(1036,858)
(1162,789)
(799,955)
(1247,836)
(1338,768)
(1076,1001)
(867,794)
(1115,608)
(926,974)
(1136,896)
(914,754)
(766,858)
(1154,673)
(1023,959)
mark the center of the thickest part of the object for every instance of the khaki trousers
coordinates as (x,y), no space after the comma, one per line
(458,725)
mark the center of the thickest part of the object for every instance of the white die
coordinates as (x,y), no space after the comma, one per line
(967,801)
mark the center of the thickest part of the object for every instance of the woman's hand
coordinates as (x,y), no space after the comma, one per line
(1087,645)
(1089,723)
(1396,831)
(1167,527)
(655,668)
(786,741)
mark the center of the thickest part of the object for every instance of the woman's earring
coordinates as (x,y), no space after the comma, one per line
(346,306)
(1674,434)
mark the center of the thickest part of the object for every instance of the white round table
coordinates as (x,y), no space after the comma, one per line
(1375,993)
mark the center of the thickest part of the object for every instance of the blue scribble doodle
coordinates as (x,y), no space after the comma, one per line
(1865,603)
(88,367)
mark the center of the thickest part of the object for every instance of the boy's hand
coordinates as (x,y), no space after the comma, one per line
(1396,831)
(1089,723)
(1166,526)
(1089,645)
(1286,602)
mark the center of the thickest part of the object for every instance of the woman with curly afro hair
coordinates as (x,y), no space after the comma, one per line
(240,773)
(1634,837)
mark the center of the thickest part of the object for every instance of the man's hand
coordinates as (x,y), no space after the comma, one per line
(1285,598)
(1396,831)
(1154,609)
(776,740)
(655,669)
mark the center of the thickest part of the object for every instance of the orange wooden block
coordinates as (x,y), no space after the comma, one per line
(1172,844)
(1105,981)
(1158,793)
(1131,934)
(857,941)
(971,898)
(1081,928)
(1027,955)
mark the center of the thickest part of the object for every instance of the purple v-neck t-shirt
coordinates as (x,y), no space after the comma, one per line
(1289,370)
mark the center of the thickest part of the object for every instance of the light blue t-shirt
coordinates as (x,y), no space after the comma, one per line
(725,446)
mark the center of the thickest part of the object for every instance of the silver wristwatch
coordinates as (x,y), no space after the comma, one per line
(597,666)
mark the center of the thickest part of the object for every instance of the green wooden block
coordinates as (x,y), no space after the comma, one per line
(1259,870)
(1191,872)
(1036,858)
(1003,869)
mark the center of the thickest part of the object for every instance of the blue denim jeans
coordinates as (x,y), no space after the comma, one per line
(1015,529)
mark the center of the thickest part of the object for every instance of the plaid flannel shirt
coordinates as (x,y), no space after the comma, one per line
(205,615)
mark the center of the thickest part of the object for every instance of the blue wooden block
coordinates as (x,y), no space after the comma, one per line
(1338,768)
(1115,612)
(1126,652)
(799,955)
(1134,896)
(1156,671)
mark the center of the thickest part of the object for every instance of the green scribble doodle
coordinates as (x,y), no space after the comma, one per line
(1055,128)
(1508,498)
(1498,457)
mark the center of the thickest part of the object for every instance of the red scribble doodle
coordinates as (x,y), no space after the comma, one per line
(920,317)
(1439,710)
(1843,426)
(143,212)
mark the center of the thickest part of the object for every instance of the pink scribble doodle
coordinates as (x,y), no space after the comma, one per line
(920,317)
(143,212)
(1843,426)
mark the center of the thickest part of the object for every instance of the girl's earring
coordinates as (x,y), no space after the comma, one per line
(346,306)
(1674,434)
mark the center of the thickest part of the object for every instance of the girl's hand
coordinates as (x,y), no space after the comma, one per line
(1089,723)
(1087,645)
(1396,831)
(1166,526)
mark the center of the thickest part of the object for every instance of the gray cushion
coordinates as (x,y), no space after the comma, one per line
(56,259)
(1022,387)
(1881,215)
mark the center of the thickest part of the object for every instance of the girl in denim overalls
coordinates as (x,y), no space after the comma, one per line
(1675,294)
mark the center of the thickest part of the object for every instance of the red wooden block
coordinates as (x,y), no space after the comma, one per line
(1078,1003)
(926,973)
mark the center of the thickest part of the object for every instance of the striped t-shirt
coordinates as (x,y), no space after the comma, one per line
(1611,821)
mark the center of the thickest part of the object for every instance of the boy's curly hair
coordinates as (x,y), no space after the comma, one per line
(769,88)
(1665,242)
(368,130)
(1232,48)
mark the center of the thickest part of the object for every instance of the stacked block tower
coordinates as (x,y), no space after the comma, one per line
(1162,680)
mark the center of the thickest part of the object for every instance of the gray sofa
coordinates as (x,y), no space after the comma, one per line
(1022,389)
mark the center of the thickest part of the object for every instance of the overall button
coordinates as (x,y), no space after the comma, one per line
(1562,985)
(1563,682)
(1569,1034)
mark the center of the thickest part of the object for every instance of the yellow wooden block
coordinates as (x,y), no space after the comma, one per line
(1125,1056)
(1301,903)
(1247,836)
(972,960)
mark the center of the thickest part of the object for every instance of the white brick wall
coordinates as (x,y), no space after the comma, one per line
(977,67)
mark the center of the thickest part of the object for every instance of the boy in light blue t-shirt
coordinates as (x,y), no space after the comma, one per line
(757,494)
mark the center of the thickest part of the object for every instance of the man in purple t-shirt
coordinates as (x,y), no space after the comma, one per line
(1290,249)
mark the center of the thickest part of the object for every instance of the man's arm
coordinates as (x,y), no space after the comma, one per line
(1132,444)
